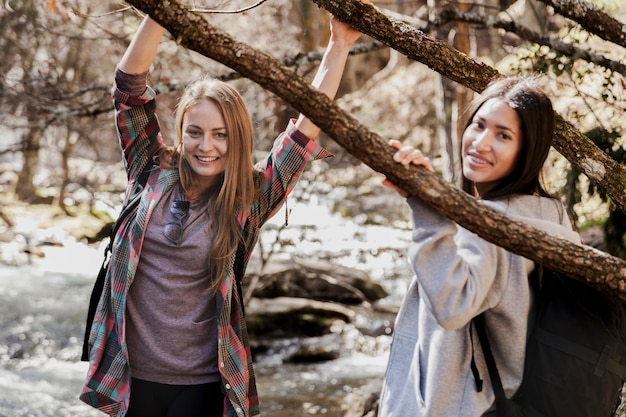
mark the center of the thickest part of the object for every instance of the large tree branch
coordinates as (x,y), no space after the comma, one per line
(591,19)
(603,271)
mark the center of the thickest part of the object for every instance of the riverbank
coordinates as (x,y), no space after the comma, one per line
(42,308)
(48,267)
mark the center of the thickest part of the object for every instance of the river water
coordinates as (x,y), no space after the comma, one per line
(43,306)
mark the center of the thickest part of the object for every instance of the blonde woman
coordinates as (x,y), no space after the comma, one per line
(169,336)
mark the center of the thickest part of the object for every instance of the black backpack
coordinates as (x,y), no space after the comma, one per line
(127,210)
(575,354)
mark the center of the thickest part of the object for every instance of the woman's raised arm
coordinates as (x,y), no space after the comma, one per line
(331,68)
(143,48)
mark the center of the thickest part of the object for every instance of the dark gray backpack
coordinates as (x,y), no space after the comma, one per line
(575,355)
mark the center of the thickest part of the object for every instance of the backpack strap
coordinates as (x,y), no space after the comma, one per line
(238,268)
(479,325)
(127,209)
(132,201)
(504,406)
(477,378)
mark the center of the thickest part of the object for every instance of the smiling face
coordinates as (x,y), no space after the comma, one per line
(205,142)
(491,144)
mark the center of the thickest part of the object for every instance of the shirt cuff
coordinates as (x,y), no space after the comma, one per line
(131,84)
(314,148)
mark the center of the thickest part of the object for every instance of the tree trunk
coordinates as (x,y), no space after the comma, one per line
(444,106)
(68,147)
(25,188)
(605,272)
(463,41)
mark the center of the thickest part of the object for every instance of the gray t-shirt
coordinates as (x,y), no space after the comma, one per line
(171,327)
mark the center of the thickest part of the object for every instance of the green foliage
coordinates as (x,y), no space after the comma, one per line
(615,225)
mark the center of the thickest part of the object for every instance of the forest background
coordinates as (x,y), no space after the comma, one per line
(60,162)
(57,134)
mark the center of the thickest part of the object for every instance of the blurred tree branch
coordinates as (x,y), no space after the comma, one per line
(240,10)
(556,44)
(591,19)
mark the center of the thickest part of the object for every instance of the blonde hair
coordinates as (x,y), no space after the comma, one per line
(235,189)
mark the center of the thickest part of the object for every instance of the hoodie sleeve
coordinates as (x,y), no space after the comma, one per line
(455,268)
(460,274)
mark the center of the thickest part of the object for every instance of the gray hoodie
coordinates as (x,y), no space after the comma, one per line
(459,275)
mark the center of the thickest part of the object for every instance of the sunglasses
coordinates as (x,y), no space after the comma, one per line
(174,230)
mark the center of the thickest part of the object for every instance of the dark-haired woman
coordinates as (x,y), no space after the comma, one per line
(459,275)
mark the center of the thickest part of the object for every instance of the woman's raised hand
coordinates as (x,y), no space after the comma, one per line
(340,30)
(331,68)
(407,155)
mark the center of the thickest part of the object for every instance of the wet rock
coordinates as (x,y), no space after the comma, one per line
(319,280)
(317,349)
(363,401)
(299,350)
(288,316)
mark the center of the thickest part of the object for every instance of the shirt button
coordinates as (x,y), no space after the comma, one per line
(222,364)
(227,386)
(238,410)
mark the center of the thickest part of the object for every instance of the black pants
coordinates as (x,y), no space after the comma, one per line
(151,399)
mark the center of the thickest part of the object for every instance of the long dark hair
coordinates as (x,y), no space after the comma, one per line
(536,117)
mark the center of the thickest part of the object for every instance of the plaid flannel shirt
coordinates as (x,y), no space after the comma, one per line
(107,386)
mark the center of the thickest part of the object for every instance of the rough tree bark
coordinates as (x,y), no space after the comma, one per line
(605,272)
